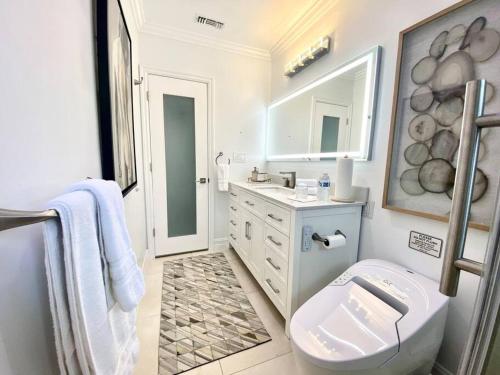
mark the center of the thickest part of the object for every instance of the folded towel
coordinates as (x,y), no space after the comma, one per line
(127,280)
(223,177)
(90,339)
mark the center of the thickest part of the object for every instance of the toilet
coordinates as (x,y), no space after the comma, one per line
(376,318)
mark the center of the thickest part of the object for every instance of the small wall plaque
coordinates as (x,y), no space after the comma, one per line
(425,244)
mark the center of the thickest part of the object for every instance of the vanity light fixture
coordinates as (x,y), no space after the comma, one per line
(320,48)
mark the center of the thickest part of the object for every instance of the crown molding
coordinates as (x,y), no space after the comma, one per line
(137,7)
(302,24)
(204,41)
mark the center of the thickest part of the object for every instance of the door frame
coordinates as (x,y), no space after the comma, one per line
(146,72)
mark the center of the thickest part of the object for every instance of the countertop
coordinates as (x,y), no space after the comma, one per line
(280,195)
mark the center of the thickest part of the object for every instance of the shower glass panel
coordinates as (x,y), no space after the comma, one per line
(180,157)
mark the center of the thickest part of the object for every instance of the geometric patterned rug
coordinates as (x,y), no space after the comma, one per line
(205,315)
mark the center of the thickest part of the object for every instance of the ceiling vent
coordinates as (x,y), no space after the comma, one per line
(209,22)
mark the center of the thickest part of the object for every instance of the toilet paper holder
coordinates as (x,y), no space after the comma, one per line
(317,237)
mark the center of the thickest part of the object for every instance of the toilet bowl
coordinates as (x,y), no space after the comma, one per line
(376,318)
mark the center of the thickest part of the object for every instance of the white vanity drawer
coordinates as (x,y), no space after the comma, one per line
(233,192)
(277,240)
(234,208)
(233,236)
(234,223)
(278,217)
(276,263)
(253,204)
(275,289)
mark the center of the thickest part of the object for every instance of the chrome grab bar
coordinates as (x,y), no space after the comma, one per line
(473,121)
(14,218)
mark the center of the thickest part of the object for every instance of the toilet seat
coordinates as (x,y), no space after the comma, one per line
(346,328)
(372,316)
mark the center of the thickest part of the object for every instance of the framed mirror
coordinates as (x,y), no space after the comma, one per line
(331,117)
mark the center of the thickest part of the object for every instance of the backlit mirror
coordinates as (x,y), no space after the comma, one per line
(331,117)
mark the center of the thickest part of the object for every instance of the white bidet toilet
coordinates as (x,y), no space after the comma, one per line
(377,318)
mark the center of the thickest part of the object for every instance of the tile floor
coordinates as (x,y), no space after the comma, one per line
(272,358)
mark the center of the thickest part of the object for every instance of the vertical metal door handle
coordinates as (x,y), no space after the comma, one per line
(473,121)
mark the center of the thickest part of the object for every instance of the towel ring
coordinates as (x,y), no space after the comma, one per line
(218,156)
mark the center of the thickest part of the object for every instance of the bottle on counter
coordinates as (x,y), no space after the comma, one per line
(324,188)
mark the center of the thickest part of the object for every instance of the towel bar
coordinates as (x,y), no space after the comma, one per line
(13,218)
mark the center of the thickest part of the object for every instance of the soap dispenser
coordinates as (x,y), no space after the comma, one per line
(255,174)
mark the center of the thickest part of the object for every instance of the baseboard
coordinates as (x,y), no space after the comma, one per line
(221,243)
(439,369)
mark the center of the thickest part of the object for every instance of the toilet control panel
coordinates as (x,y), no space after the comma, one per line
(343,278)
(386,285)
(379,281)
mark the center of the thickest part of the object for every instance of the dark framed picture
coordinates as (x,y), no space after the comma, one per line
(114,64)
(436,58)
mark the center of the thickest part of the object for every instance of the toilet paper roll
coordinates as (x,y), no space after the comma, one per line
(333,241)
(343,180)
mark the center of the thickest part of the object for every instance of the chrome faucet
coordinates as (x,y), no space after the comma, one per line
(290,182)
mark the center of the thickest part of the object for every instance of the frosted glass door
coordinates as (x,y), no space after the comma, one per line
(180,158)
(178,126)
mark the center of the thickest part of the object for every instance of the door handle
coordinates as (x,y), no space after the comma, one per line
(202,180)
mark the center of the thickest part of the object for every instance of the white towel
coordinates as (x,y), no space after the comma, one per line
(127,281)
(223,177)
(90,339)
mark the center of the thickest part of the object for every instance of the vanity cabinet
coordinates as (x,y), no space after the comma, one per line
(266,231)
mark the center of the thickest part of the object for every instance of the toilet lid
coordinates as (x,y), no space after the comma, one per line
(346,328)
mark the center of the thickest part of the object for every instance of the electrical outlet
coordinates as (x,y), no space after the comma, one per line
(239,157)
(367,210)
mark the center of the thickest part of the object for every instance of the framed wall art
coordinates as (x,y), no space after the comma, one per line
(436,58)
(114,63)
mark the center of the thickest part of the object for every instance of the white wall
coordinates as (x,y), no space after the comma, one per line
(48,139)
(241,92)
(356,26)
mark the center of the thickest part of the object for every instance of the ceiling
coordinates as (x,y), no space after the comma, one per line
(254,23)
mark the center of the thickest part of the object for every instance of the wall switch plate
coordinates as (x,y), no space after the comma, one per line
(367,210)
(307,241)
(239,157)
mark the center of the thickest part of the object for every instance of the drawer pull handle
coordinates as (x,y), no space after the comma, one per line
(250,203)
(278,219)
(233,236)
(270,261)
(234,209)
(277,243)
(234,195)
(275,290)
(232,222)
